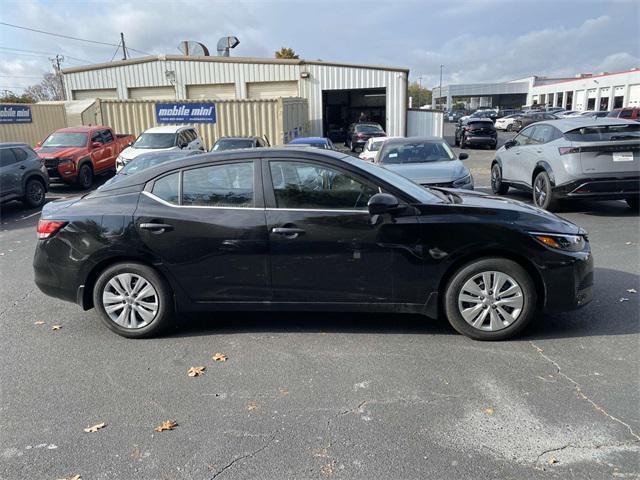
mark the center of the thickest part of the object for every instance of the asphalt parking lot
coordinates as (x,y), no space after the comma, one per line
(321,396)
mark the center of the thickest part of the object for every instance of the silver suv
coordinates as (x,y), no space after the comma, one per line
(23,176)
(594,158)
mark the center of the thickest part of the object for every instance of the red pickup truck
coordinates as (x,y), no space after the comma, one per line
(76,154)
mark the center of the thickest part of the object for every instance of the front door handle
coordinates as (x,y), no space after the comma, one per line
(289,232)
(156,227)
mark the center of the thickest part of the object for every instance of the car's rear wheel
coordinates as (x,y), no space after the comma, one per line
(457,141)
(633,203)
(85,176)
(34,193)
(498,187)
(463,144)
(509,128)
(133,300)
(490,299)
(543,196)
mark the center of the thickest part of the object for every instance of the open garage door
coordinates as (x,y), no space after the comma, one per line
(95,93)
(340,108)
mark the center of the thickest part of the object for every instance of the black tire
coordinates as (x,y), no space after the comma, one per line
(498,187)
(463,144)
(351,146)
(633,203)
(542,192)
(85,176)
(34,193)
(474,268)
(165,312)
(510,128)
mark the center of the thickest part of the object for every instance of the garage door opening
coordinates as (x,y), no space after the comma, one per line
(340,108)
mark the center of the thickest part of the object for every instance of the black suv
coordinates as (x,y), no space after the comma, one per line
(22,175)
(359,133)
(476,131)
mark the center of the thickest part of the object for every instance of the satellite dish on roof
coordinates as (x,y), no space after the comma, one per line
(189,47)
(225,44)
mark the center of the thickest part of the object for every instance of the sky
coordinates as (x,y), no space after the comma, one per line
(476,40)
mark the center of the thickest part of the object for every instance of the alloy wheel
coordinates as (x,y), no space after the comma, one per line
(540,190)
(495,178)
(130,300)
(490,301)
(36,193)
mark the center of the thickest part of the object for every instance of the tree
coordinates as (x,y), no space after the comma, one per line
(421,96)
(10,97)
(48,89)
(286,52)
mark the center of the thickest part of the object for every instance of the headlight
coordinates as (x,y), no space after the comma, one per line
(568,243)
(65,160)
(462,181)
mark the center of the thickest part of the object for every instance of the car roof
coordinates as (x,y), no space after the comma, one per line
(166,129)
(568,124)
(248,137)
(476,119)
(165,153)
(403,140)
(300,153)
(308,140)
(82,128)
(13,144)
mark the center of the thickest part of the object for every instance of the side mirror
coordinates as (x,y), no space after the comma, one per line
(38,145)
(96,144)
(509,144)
(463,156)
(183,145)
(129,144)
(382,203)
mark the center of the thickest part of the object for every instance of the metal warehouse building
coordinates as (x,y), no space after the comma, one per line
(336,93)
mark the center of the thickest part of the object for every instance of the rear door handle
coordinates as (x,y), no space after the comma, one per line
(289,232)
(156,227)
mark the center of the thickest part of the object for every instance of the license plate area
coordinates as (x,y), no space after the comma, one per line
(622,156)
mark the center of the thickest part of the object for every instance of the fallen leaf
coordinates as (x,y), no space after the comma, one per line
(56,327)
(622,299)
(95,428)
(252,405)
(327,470)
(627,243)
(220,357)
(632,290)
(488,411)
(553,460)
(283,391)
(39,322)
(75,477)
(166,425)
(195,371)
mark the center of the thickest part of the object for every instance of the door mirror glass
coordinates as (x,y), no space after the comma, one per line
(382,203)
(183,145)
(509,144)
(463,156)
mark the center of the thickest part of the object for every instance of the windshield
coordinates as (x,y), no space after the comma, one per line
(233,143)
(416,152)
(419,193)
(148,160)
(604,133)
(369,128)
(66,139)
(156,140)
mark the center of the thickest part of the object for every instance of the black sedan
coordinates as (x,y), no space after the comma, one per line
(288,229)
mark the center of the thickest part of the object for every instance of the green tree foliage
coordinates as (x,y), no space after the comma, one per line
(421,96)
(10,97)
(286,52)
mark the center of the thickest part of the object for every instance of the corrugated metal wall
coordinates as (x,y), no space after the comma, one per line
(295,119)
(167,71)
(233,118)
(45,119)
(425,123)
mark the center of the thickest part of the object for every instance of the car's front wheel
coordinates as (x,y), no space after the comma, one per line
(34,193)
(133,300)
(509,128)
(498,187)
(543,196)
(85,176)
(490,299)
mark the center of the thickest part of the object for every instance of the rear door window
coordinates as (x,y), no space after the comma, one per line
(229,185)
(168,188)
(107,136)
(20,154)
(7,157)
(97,137)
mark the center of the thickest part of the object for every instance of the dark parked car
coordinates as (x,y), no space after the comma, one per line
(488,113)
(529,118)
(629,113)
(306,230)
(234,143)
(359,133)
(23,176)
(476,131)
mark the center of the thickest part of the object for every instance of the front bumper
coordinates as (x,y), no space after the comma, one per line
(568,282)
(600,188)
(60,172)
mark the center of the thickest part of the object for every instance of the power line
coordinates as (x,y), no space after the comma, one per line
(38,53)
(22,76)
(115,53)
(70,37)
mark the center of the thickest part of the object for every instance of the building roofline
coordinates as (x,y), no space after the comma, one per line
(198,58)
(577,79)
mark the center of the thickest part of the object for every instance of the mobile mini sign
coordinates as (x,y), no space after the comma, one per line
(185,112)
(15,114)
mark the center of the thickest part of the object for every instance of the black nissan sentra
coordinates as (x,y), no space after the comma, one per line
(306,230)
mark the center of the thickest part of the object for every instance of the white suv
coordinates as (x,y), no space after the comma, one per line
(593,158)
(160,139)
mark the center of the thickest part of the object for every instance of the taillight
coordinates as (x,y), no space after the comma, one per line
(46,228)
(568,150)
(359,135)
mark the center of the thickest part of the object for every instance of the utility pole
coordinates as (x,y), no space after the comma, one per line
(124,47)
(440,89)
(56,66)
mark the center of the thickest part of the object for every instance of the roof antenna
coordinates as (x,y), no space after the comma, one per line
(225,44)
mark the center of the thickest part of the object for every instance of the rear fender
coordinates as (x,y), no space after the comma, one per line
(544,165)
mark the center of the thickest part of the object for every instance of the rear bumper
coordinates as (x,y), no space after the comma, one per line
(54,279)
(481,140)
(600,188)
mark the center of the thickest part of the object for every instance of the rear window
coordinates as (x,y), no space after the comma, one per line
(488,125)
(233,144)
(368,128)
(604,133)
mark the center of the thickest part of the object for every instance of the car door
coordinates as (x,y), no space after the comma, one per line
(99,154)
(10,173)
(513,168)
(206,226)
(110,150)
(324,246)
(526,156)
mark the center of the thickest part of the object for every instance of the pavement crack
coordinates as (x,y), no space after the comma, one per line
(584,447)
(354,410)
(581,394)
(247,455)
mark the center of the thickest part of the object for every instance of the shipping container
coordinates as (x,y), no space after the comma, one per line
(45,118)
